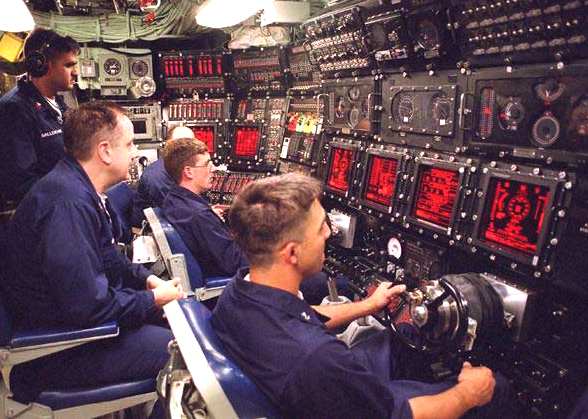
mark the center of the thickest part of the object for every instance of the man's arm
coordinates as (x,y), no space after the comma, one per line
(475,388)
(18,171)
(342,314)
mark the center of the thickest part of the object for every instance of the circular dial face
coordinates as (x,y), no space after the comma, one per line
(512,114)
(579,119)
(441,110)
(354,93)
(546,130)
(340,108)
(112,66)
(550,90)
(140,68)
(353,117)
(427,35)
(394,248)
(406,109)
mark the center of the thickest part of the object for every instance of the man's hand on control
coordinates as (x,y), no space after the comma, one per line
(220,210)
(475,385)
(384,295)
(167,291)
(153,281)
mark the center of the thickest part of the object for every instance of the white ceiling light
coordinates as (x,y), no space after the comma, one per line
(15,17)
(225,13)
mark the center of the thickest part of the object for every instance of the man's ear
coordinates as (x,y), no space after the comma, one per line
(289,253)
(104,151)
(187,173)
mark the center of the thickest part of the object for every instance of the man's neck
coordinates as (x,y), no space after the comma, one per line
(189,186)
(276,276)
(44,87)
(98,176)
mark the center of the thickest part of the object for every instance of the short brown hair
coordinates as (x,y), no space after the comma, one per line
(180,153)
(49,43)
(86,126)
(267,212)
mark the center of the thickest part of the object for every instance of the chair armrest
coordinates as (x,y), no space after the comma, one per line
(55,336)
(217,281)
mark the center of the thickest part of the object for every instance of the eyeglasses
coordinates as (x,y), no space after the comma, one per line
(207,164)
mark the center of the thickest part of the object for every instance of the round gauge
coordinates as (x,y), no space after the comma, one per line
(353,117)
(546,130)
(406,109)
(512,114)
(579,119)
(354,93)
(112,66)
(394,248)
(140,68)
(427,35)
(518,207)
(550,90)
(340,108)
(441,110)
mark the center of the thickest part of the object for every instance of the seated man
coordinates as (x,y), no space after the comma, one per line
(198,223)
(64,269)
(155,182)
(285,346)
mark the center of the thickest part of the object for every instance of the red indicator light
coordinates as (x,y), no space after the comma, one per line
(514,214)
(436,195)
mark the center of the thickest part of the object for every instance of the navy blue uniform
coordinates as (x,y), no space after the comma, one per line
(65,270)
(203,232)
(282,344)
(581,408)
(152,189)
(31,139)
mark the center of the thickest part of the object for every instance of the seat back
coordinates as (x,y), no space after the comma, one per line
(177,245)
(121,198)
(5,322)
(244,396)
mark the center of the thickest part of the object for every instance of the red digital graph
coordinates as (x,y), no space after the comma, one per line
(436,195)
(514,214)
(206,135)
(381,180)
(246,142)
(340,169)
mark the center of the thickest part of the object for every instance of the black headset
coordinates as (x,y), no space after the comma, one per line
(37,63)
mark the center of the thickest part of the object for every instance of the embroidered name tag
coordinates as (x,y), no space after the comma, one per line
(51,133)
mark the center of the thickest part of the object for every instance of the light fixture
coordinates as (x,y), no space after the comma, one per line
(225,13)
(16,17)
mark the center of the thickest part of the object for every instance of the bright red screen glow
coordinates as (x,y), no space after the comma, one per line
(514,214)
(381,180)
(246,141)
(341,161)
(206,135)
(436,195)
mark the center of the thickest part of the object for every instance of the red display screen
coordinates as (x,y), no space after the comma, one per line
(246,141)
(206,135)
(436,195)
(340,169)
(381,180)
(514,214)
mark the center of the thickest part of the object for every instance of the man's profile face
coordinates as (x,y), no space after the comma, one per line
(315,234)
(63,71)
(123,149)
(203,172)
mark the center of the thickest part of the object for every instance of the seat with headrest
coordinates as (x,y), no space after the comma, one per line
(170,243)
(226,390)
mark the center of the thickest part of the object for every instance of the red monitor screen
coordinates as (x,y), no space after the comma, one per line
(246,141)
(340,169)
(206,135)
(514,214)
(436,195)
(381,180)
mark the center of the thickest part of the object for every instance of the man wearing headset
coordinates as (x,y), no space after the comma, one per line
(31,114)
